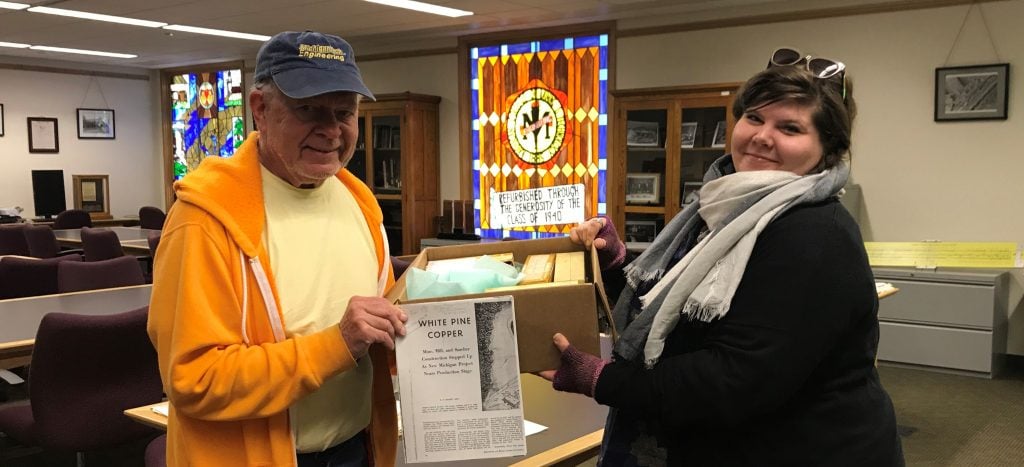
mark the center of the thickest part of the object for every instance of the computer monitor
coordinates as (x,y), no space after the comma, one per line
(48,192)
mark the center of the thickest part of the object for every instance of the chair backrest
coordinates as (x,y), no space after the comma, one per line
(151,217)
(12,240)
(100,244)
(72,219)
(153,238)
(29,277)
(74,276)
(399,265)
(86,370)
(42,243)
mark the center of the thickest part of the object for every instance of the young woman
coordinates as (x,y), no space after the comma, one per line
(749,326)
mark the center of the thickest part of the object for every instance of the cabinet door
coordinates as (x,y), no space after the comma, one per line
(645,131)
(383,173)
(704,133)
(357,165)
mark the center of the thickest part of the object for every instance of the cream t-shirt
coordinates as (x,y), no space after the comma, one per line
(321,254)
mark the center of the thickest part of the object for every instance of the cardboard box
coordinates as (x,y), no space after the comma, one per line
(540,312)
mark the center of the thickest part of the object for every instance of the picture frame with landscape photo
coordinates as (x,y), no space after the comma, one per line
(642,134)
(978,92)
(95,123)
(689,134)
(718,141)
(643,188)
(641,231)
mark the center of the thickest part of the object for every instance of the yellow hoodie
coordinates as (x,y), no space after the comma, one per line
(215,320)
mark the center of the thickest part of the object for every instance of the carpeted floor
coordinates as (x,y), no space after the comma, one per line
(945,420)
(959,420)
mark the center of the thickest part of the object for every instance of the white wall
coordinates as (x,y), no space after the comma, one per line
(132,159)
(435,75)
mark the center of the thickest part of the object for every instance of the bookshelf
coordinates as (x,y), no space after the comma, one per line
(663,140)
(397,157)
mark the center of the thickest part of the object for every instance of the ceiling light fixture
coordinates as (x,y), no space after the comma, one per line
(424,7)
(14,6)
(96,16)
(218,32)
(81,51)
(14,45)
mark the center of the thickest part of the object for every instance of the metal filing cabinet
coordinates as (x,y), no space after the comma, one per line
(952,319)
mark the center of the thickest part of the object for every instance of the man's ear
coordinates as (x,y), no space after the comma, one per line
(258,106)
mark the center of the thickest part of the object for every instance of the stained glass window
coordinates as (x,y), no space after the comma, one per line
(539,120)
(207,117)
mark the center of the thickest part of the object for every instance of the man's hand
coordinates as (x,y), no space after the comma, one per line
(371,320)
(601,233)
(585,233)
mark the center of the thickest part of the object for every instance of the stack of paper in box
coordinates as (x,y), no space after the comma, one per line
(561,293)
(550,270)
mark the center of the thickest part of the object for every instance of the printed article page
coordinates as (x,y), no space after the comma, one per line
(458,378)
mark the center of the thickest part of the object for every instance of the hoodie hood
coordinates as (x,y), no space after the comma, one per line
(231,190)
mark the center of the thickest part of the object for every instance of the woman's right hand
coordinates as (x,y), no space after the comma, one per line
(601,233)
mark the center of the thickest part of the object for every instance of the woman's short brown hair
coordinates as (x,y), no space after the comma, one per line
(833,113)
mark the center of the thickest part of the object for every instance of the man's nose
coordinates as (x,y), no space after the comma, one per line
(328,125)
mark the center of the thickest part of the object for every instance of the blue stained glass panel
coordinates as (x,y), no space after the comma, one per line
(587,41)
(552,44)
(220,93)
(492,51)
(519,48)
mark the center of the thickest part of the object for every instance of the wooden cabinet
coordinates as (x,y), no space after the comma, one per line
(663,141)
(397,157)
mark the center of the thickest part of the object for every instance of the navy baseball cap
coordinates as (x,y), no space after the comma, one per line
(307,64)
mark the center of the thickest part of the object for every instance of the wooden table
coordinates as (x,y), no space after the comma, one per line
(21,316)
(147,416)
(134,240)
(575,427)
(129,221)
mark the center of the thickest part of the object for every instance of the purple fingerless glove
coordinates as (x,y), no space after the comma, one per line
(578,372)
(614,251)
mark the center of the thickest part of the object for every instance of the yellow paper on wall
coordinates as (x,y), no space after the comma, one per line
(944,254)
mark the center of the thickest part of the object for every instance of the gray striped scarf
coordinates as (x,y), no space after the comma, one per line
(736,207)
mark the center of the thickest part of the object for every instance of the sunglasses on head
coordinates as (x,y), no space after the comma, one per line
(820,67)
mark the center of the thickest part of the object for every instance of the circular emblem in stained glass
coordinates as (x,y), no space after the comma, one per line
(536,124)
(206,95)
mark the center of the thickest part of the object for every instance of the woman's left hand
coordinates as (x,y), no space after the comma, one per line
(578,371)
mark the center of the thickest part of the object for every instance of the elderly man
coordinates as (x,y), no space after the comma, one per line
(266,310)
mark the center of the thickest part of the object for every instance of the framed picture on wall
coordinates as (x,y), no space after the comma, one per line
(95,124)
(42,135)
(971,92)
(642,188)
